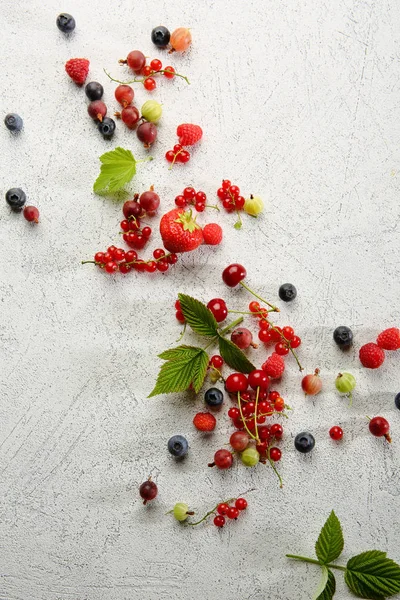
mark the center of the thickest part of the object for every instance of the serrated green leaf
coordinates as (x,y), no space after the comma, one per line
(117,168)
(177,375)
(372,575)
(179,353)
(330,541)
(234,357)
(322,583)
(330,587)
(198,316)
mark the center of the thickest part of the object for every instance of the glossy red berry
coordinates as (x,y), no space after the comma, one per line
(233,412)
(258,378)
(162,266)
(156,65)
(172,258)
(254,306)
(148,491)
(169,72)
(241,503)
(218,308)
(111,267)
(170,156)
(124,267)
(124,94)
(158,253)
(223,459)
(189,193)
(146,71)
(336,432)
(276,430)
(130,256)
(99,257)
(279,405)
(180,201)
(233,274)
(379,427)
(149,84)
(236,382)
(275,454)
(226,184)
(183,156)
(281,349)
(222,508)
(217,361)
(264,432)
(288,332)
(31,214)
(233,512)
(295,341)
(265,335)
(239,440)
(219,521)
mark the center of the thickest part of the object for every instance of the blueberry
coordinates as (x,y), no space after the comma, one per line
(13,122)
(304,442)
(160,36)
(397,401)
(65,23)
(107,127)
(287,292)
(343,336)
(178,445)
(214,397)
(15,198)
(94,91)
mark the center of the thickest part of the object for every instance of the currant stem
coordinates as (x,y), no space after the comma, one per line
(287,342)
(212,206)
(211,512)
(243,418)
(255,415)
(315,562)
(141,79)
(274,308)
(238,224)
(271,462)
(93,262)
(173,162)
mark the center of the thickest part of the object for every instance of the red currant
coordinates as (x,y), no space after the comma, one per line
(219,521)
(146,231)
(169,72)
(180,201)
(200,207)
(156,64)
(233,512)
(162,266)
(277,430)
(221,193)
(124,268)
(172,259)
(146,71)
(170,156)
(177,148)
(241,503)
(264,335)
(281,349)
(275,454)
(236,382)
(234,191)
(201,197)
(239,202)
(264,432)
(279,404)
(99,257)
(222,508)
(263,324)
(336,432)
(288,332)
(130,256)
(119,254)
(158,253)
(189,193)
(111,267)
(254,306)
(149,84)
(216,361)
(273,395)
(183,156)
(295,341)
(218,308)
(151,266)
(233,412)
(125,225)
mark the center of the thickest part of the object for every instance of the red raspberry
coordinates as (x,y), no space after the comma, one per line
(189,134)
(77,69)
(204,421)
(212,234)
(371,356)
(388,339)
(274,366)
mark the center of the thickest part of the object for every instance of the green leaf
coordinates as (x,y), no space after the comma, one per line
(234,357)
(322,583)
(330,541)
(179,353)
(372,575)
(117,168)
(198,316)
(330,587)
(177,374)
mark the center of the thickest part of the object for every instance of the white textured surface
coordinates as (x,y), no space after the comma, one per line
(299,103)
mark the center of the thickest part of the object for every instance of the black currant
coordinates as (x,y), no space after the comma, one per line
(160,36)
(107,127)
(287,292)
(304,442)
(214,397)
(94,90)
(15,198)
(65,23)
(343,336)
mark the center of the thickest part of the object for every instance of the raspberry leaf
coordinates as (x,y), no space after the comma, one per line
(117,168)
(198,316)
(372,575)
(330,541)
(328,591)
(233,356)
(187,365)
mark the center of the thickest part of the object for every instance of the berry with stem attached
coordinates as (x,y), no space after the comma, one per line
(151,111)
(97,110)
(219,521)
(380,427)
(250,457)
(236,382)
(147,133)
(234,274)
(180,39)
(233,512)
(124,95)
(275,454)
(241,503)
(242,338)
(149,201)
(312,384)
(31,214)
(130,116)
(181,511)
(169,72)
(345,384)
(218,308)
(135,60)
(148,491)
(149,84)
(222,459)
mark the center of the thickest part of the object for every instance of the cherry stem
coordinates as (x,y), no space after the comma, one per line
(315,562)
(243,418)
(142,79)
(287,342)
(271,462)
(274,308)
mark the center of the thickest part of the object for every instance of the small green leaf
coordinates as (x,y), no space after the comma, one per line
(372,575)
(198,316)
(117,168)
(330,588)
(177,374)
(330,541)
(179,353)
(234,357)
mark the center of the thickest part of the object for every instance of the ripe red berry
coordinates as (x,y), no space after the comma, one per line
(204,421)
(130,116)
(258,378)
(131,208)
(264,432)
(264,335)
(312,384)
(274,366)
(183,156)
(124,94)
(254,306)
(295,341)
(31,214)
(223,460)
(151,266)
(111,267)
(371,356)
(170,156)
(97,110)
(189,193)
(233,274)
(389,339)
(241,503)
(77,69)
(233,412)
(222,508)
(239,440)
(233,512)
(180,316)
(180,201)
(146,231)
(212,232)
(219,521)
(172,258)
(156,65)
(226,184)
(236,382)
(288,332)
(158,253)
(281,349)
(99,257)
(189,134)
(162,266)
(149,84)
(275,454)
(148,491)
(218,308)
(216,361)
(336,432)
(124,267)
(279,404)
(276,430)
(136,60)
(379,427)
(130,256)
(169,72)
(119,254)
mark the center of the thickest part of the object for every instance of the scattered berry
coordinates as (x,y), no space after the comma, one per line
(312,384)
(31,214)
(204,421)
(343,336)
(274,366)
(160,36)
(148,491)
(124,95)
(239,440)
(106,127)
(212,234)
(189,134)
(219,521)
(77,69)
(233,274)
(97,110)
(151,111)
(304,442)
(379,427)
(15,198)
(222,508)
(179,231)
(135,60)
(94,90)
(253,206)
(345,383)
(130,116)
(216,361)
(275,454)
(241,503)
(223,459)
(149,84)
(336,432)
(147,134)
(149,201)
(250,457)
(371,356)
(65,23)
(169,72)
(242,338)
(156,64)
(13,122)
(389,339)
(218,308)
(287,292)
(181,39)
(181,511)
(214,398)
(178,445)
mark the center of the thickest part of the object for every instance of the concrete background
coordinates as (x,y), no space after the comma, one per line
(299,103)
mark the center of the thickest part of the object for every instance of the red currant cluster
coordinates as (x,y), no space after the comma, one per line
(116,259)
(136,61)
(284,337)
(230,196)
(230,512)
(178,154)
(189,196)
